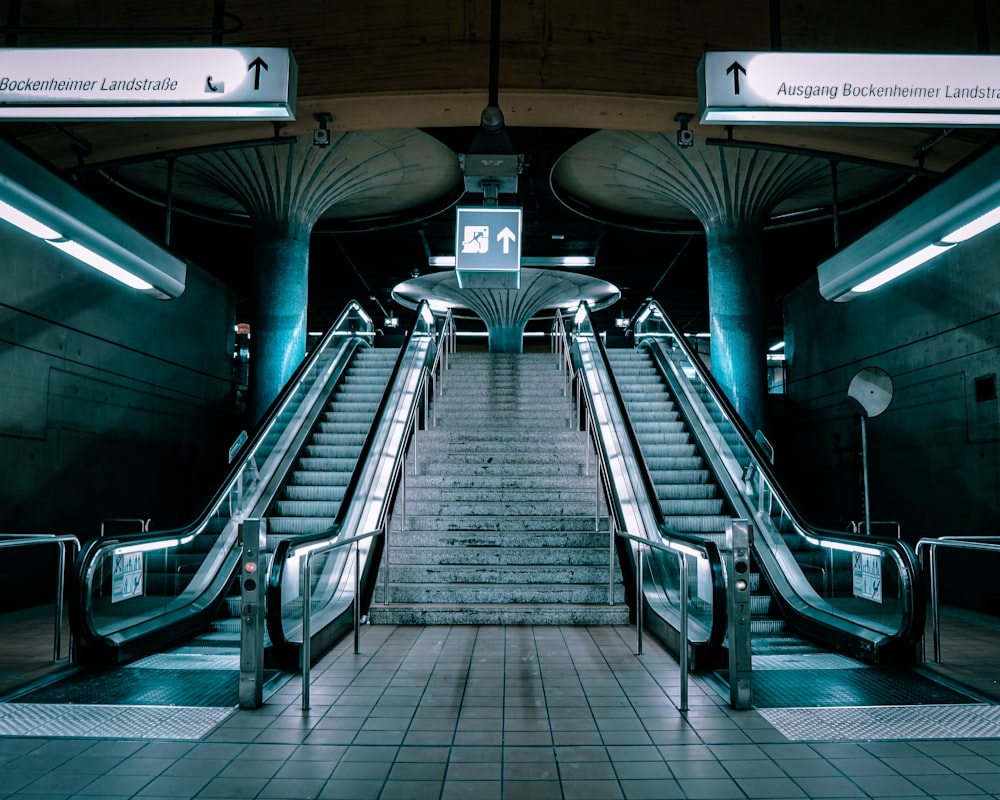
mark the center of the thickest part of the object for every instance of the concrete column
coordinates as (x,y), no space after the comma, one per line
(736,316)
(280,301)
(506,338)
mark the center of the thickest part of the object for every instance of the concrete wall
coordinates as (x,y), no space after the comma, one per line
(114,404)
(934,454)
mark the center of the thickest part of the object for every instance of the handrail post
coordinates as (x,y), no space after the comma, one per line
(684,631)
(57,650)
(638,601)
(611,559)
(306,656)
(385,561)
(935,618)
(357,598)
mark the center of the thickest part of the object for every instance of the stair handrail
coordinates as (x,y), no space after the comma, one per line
(300,546)
(16,540)
(353,327)
(686,542)
(768,486)
(307,601)
(927,548)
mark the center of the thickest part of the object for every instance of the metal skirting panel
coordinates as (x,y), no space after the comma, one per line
(886,722)
(101,721)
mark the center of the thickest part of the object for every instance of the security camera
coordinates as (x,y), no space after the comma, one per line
(685,137)
(321,136)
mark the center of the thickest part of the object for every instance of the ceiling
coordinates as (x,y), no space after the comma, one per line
(574,78)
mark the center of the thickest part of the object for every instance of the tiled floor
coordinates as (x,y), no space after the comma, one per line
(493,712)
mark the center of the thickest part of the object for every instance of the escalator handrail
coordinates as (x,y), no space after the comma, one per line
(707,547)
(760,458)
(645,476)
(904,555)
(285,548)
(90,552)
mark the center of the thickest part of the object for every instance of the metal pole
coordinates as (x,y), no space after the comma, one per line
(385,572)
(684,632)
(306,633)
(864,467)
(57,651)
(402,491)
(357,599)
(935,619)
(638,603)
(611,559)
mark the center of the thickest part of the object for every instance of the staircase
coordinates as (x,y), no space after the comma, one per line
(688,495)
(499,522)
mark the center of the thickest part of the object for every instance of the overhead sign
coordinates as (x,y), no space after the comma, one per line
(188,83)
(741,87)
(488,247)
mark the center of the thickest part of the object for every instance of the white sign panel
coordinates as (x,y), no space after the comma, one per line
(848,89)
(867,576)
(127,576)
(147,83)
(488,239)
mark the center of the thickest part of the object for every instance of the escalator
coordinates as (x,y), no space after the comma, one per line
(836,618)
(138,595)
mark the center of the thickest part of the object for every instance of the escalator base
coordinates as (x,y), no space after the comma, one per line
(868,686)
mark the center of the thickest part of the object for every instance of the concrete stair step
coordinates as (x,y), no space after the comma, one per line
(426,466)
(496,482)
(473,541)
(485,494)
(501,508)
(499,576)
(520,523)
(498,614)
(489,595)
(408,556)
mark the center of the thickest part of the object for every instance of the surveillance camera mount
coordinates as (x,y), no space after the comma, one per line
(321,136)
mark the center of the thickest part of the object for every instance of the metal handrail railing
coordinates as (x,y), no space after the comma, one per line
(982,544)
(681,551)
(307,602)
(30,540)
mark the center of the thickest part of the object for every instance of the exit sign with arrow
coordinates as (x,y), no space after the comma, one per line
(767,88)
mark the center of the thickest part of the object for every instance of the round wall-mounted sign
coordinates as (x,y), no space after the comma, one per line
(871,388)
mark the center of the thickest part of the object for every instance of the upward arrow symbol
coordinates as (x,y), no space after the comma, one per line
(736,68)
(506,236)
(257,64)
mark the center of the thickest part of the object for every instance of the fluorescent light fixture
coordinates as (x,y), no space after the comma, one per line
(42,204)
(900,268)
(963,205)
(974,228)
(777,346)
(99,263)
(447,262)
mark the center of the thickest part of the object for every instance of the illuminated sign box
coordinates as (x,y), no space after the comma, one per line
(187,83)
(488,247)
(744,87)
